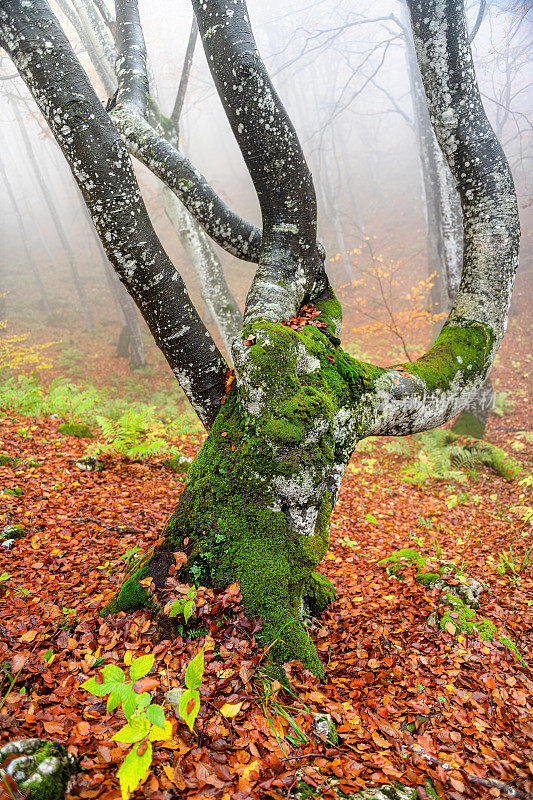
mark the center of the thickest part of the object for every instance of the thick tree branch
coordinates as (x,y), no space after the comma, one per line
(103,170)
(156,152)
(227,229)
(439,385)
(290,267)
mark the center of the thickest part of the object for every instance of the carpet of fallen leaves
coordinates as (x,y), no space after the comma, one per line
(409,700)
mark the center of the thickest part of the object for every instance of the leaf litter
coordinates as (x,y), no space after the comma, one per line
(409,700)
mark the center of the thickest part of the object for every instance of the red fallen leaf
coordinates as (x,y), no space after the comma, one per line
(142,748)
(248,342)
(83,728)
(146,684)
(17,662)
(53,727)
(379,740)
(190,706)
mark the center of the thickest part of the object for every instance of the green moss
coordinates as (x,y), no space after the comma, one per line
(511,645)
(499,461)
(468,424)
(468,623)
(6,460)
(49,783)
(319,592)
(76,429)
(14,532)
(264,468)
(132,595)
(493,457)
(458,349)
(428,578)
(403,556)
(177,464)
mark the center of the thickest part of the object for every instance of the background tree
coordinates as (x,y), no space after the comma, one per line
(259,495)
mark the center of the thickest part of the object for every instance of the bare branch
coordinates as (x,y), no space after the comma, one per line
(185,73)
(435,388)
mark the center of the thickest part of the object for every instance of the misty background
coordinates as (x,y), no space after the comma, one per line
(341,71)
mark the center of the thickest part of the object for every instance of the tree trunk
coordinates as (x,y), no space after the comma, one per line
(130,343)
(444,228)
(259,495)
(258,498)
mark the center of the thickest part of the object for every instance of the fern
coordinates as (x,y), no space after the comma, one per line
(136,434)
(436,461)
(400,446)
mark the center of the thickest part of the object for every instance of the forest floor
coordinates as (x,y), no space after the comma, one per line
(410,701)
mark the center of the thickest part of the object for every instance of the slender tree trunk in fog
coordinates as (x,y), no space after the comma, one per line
(56,219)
(257,503)
(130,343)
(24,237)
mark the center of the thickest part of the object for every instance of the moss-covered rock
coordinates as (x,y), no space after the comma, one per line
(14,532)
(76,429)
(178,463)
(446,576)
(41,769)
(465,621)
(90,464)
(385,791)
(6,461)
(325,728)
(405,556)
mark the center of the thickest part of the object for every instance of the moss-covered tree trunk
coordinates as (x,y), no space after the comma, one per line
(258,498)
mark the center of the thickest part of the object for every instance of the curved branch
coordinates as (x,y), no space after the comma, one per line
(290,267)
(102,168)
(226,228)
(235,235)
(479,20)
(439,385)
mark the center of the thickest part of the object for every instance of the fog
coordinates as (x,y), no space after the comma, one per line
(341,71)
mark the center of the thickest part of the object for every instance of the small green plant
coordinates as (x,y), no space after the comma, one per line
(507,561)
(67,619)
(16,492)
(136,434)
(438,459)
(189,703)
(184,605)
(130,558)
(72,361)
(272,705)
(145,721)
